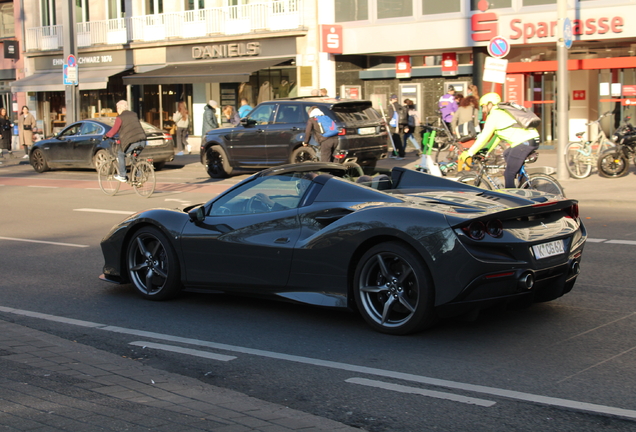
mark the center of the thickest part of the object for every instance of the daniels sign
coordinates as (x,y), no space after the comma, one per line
(226,50)
(485,26)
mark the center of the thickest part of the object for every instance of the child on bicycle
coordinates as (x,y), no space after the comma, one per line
(131,136)
(503,127)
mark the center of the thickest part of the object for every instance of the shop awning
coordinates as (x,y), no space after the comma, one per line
(387,70)
(191,73)
(89,79)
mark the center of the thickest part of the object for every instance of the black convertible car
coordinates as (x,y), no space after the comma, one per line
(403,249)
(80,145)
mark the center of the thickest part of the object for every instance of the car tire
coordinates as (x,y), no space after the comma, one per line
(152,264)
(159,165)
(218,165)
(303,154)
(369,163)
(393,290)
(100,157)
(38,161)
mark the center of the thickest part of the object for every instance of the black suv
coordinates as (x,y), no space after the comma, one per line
(272,134)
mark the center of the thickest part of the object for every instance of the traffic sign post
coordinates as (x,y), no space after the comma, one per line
(498,47)
(568,38)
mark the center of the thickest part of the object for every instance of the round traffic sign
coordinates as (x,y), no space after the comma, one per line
(70,60)
(498,47)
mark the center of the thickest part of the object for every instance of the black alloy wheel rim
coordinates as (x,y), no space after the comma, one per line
(38,160)
(148,264)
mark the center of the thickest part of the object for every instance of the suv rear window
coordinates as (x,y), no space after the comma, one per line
(353,113)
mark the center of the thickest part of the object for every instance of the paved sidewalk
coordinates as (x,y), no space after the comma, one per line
(51,384)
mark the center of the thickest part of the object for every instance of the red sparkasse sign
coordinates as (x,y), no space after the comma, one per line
(449,64)
(403,66)
(331,38)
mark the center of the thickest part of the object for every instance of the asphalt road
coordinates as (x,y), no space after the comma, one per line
(567,365)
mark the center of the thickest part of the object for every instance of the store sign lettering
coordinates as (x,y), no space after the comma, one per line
(98,59)
(226,50)
(484,27)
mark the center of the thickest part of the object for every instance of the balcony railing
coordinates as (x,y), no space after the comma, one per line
(268,16)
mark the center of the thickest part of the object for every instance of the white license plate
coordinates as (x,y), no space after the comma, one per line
(548,249)
(366,131)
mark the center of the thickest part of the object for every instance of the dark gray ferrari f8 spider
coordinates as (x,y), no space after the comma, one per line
(402,249)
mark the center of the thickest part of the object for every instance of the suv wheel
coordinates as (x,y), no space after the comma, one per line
(218,165)
(303,154)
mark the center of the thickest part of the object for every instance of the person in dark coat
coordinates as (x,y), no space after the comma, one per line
(398,130)
(328,145)
(5,130)
(209,117)
(131,136)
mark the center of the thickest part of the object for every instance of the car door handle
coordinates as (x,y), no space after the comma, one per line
(282,240)
(260,130)
(295,129)
(332,215)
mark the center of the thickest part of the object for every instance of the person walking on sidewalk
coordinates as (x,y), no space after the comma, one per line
(26,122)
(503,127)
(5,130)
(399,120)
(131,136)
(448,105)
(182,120)
(209,117)
(327,144)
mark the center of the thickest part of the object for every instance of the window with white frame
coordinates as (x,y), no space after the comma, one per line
(47,13)
(492,4)
(194,4)
(153,7)
(352,10)
(394,8)
(116,8)
(7,25)
(81,11)
(432,7)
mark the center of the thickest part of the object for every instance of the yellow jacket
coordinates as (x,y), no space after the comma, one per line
(501,126)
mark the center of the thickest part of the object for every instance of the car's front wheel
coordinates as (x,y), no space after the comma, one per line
(153,265)
(38,161)
(393,290)
(218,166)
(102,156)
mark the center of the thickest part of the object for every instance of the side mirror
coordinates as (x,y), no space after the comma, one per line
(197,215)
(247,122)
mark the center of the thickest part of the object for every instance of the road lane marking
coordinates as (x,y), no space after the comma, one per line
(44,187)
(593,240)
(90,210)
(44,242)
(628,242)
(422,392)
(492,391)
(182,350)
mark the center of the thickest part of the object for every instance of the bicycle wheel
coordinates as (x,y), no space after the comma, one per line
(576,162)
(474,179)
(106,176)
(143,178)
(543,183)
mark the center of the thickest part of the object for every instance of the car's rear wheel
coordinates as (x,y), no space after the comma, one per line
(393,290)
(218,165)
(303,154)
(159,165)
(38,161)
(100,157)
(153,265)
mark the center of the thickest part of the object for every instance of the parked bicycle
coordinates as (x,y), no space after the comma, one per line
(581,157)
(484,176)
(141,178)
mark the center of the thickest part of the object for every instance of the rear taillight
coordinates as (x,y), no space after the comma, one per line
(477,230)
(573,211)
(339,156)
(167,136)
(342,131)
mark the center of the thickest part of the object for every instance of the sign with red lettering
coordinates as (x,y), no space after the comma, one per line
(403,66)
(449,64)
(578,95)
(331,38)
(514,89)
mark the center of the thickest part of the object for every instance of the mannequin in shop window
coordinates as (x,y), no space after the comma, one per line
(265,92)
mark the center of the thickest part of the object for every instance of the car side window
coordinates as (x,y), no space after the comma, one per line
(288,113)
(262,195)
(91,129)
(262,114)
(71,131)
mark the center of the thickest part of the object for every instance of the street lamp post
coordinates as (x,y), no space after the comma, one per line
(564,39)
(69,41)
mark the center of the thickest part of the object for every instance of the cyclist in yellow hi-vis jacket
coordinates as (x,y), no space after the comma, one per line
(504,127)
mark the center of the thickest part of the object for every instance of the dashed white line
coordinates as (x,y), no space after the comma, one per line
(44,242)
(90,210)
(419,391)
(181,350)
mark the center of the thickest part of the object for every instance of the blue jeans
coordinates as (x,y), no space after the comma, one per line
(121,155)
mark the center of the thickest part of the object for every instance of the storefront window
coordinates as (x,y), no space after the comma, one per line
(431,7)
(7,25)
(352,10)
(492,4)
(394,8)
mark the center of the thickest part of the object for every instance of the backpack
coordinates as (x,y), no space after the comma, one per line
(327,126)
(524,117)
(403,115)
